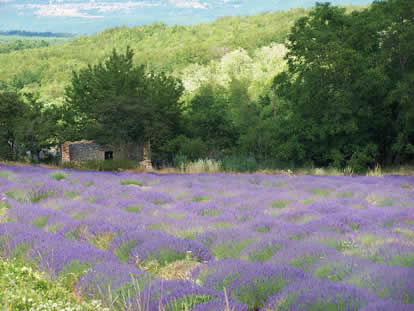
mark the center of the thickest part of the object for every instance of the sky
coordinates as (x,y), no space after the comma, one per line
(92,16)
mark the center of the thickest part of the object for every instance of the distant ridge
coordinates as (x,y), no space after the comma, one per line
(24,33)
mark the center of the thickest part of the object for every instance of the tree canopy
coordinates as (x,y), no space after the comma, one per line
(117,102)
(344,74)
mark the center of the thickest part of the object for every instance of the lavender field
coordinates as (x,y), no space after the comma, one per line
(174,242)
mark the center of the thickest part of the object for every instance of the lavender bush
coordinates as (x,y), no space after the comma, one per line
(176,242)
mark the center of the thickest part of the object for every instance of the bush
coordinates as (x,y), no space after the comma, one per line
(239,163)
(364,158)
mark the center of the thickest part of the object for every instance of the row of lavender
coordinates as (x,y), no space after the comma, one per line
(274,242)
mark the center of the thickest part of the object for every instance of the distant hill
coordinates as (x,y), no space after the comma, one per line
(91,17)
(47,70)
(23,33)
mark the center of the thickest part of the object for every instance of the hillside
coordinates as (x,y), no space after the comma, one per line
(172,49)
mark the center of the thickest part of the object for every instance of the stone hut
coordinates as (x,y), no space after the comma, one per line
(84,150)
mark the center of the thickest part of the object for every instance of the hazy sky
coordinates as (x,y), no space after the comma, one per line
(90,16)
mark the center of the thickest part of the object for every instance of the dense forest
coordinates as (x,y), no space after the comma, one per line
(329,87)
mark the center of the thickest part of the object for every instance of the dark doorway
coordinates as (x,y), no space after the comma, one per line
(109,155)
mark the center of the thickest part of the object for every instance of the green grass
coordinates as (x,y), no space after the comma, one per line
(131,182)
(134,208)
(124,250)
(81,215)
(24,288)
(345,194)
(301,219)
(4,205)
(155,226)
(58,175)
(386,201)
(71,273)
(409,234)
(18,195)
(359,206)
(71,194)
(210,212)
(188,302)
(332,271)
(7,174)
(161,258)
(279,203)
(102,240)
(255,294)
(321,191)
(53,228)
(231,249)
(308,201)
(175,215)
(37,196)
(264,229)
(40,221)
(405,186)
(304,262)
(201,198)
(265,253)
(280,184)
(222,224)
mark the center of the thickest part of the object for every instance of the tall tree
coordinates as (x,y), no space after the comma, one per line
(12,110)
(341,78)
(117,102)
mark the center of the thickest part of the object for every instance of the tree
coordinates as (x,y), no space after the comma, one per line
(12,109)
(117,102)
(349,95)
(208,118)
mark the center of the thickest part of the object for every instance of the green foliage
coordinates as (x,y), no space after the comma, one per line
(342,110)
(102,165)
(40,221)
(124,250)
(23,288)
(137,208)
(304,262)
(202,198)
(36,196)
(58,175)
(255,293)
(131,182)
(321,191)
(210,212)
(239,163)
(340,302)
(102,240)
(231,249)
(279,203)
(188,302)
(264,253)
(161,47)
(332,271)
(264,229)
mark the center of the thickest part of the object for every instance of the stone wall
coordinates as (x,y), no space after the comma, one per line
(85,150)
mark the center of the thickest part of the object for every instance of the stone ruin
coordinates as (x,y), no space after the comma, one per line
(85,150)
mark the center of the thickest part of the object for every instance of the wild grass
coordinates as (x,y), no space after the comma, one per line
(25,288)
(200,166)
(104,165)
(216,166)
(58,175)
(134,182)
